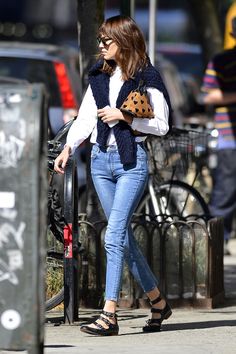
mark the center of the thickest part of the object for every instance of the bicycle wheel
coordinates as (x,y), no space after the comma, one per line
(55,226)
(174,199)
(54,274)
(55,251)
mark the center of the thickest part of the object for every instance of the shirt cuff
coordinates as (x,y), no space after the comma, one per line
(112,124)
(135,123)
(72,148)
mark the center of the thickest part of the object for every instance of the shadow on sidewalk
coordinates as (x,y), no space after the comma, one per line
(186,326)
(87,317)
(59,346)
(198,325)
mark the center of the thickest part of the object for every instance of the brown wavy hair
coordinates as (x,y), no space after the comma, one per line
(131,55)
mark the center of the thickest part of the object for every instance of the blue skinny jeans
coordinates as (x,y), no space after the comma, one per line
(119,189)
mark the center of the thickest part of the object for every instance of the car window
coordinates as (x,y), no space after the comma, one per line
(33,70)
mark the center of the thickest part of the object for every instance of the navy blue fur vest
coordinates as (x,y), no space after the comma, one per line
(99,83)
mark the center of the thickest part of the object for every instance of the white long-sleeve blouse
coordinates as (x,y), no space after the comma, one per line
(86,122)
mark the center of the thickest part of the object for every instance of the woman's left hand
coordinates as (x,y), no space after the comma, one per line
(109,115)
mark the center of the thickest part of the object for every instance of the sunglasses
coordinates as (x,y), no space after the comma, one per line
(104,41)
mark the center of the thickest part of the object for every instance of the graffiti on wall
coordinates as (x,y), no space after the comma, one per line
(12,144)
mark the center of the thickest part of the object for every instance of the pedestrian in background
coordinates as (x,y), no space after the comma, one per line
(219,86)
(119,160)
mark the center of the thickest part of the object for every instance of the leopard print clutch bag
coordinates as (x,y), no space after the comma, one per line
(137,103)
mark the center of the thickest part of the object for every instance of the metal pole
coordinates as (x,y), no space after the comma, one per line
(152,30)
(132,7)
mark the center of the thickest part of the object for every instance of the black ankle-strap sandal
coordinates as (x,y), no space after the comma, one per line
(111,330)
(154,324)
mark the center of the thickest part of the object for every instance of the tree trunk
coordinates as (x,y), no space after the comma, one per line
(207,22)
(90,16)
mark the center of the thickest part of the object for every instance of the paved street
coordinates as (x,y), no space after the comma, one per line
(188,331)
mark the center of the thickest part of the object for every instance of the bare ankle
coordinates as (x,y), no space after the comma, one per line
(110,306)
(160,305)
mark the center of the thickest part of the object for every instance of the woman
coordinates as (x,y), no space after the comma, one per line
(118,158)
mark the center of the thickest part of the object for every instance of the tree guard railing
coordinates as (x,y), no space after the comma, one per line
(186,256)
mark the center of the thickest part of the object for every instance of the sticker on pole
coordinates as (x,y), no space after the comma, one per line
(10,319)
(7,200)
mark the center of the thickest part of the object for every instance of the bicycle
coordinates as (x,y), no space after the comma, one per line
(56,225)
(168,196)
(54,237)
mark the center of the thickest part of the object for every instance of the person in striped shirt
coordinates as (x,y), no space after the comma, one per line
(219,86)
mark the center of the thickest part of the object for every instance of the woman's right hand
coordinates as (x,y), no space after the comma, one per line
(61,160)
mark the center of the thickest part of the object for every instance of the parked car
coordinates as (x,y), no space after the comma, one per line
(58,69)
(188,58)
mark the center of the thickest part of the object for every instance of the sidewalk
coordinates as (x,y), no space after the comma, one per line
(187,331)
